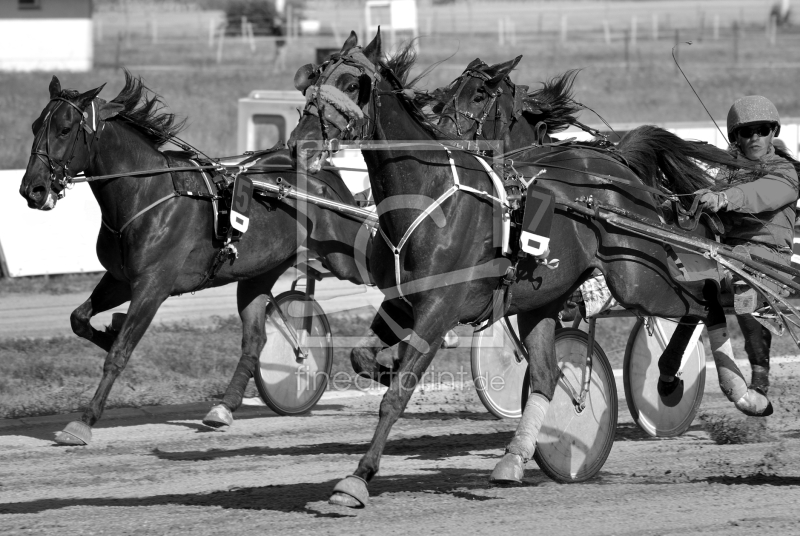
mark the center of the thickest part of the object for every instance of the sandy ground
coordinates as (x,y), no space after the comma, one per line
(161,472)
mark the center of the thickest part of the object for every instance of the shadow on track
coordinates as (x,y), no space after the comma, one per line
(418,448)
(460,483)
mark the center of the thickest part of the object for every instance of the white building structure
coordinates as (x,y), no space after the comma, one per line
(46,35)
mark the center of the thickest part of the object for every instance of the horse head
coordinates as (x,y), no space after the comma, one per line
(479,104)
(64,134)
(484,104)
(338,95)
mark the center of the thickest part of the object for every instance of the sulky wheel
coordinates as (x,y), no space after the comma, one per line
(498,370)
(289,383)
(640,377)
(574,443)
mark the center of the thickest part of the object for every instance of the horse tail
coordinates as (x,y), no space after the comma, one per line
(662,159)
(554,102)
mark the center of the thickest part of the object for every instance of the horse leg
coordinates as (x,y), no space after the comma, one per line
(388,327)
(752,402)
(670,388)
(108,293)
(251,297)
(146,299)
(538,332)
(757,342)
(416,354)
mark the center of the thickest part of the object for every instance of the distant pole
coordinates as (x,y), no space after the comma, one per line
(564,29)
(500,36)
(540,23)
(244,29)
(736,42)
(607,31)
(118,52)
(655,26)
(99,27)
(633,31)
(716,27)
(212,27)
(627,52)
(154,30)
(220,43)
(702,24)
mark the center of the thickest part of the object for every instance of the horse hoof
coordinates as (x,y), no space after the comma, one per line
(670,393)
(351,492)
(218,417)
(755,403)
(509,470)
(75,433)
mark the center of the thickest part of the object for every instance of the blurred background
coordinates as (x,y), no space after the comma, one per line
(204,55)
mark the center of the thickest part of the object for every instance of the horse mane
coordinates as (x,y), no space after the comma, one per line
(142,109)
(553,103)
(413,99)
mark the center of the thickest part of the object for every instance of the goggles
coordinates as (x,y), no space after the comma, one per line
(761,130)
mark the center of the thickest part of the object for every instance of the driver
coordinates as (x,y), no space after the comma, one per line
(757,208)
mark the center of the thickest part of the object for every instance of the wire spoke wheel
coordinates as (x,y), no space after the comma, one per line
(289,383)
(574,442)
(640,378)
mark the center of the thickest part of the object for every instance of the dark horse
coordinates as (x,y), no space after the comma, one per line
(442,270)
(155,244)
(484,104)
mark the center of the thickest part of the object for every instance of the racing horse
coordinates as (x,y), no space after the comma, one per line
(155,243)
(438,262)
(484,104)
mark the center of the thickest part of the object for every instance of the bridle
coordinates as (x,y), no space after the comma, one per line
(342,119)
(479,118)
(61,165)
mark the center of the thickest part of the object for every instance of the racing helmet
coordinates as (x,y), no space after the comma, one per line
(752,109)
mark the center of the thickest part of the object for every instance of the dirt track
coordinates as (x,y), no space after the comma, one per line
(268,474)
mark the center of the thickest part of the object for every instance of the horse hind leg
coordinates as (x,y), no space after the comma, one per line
(670,387)
(251,296)
(538,333)
(750,401)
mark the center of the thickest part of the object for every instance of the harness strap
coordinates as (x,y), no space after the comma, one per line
(148,207)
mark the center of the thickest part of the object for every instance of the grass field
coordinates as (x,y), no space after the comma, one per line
(183,363)
(640,85)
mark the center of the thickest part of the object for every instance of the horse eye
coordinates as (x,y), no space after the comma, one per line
(479,97)
(352,87)
(65,130)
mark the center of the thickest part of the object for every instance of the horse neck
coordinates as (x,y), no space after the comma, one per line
(394,123)
(121,149)
(516,134)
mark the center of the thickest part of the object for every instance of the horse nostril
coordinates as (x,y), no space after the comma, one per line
(37,193)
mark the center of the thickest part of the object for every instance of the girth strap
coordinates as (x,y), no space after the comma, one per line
(148,207)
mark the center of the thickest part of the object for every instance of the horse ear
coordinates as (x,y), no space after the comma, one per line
(500,71)
(304,77)
(55,88)
(84,99)
(373,50)
(107,110)
(352,40)
(474,64)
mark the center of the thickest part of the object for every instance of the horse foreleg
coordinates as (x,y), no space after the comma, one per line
(388,328)
(538,333)
(108,293)
(416,354)
(251,296)
(144,303)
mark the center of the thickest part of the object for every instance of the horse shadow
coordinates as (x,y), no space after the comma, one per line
(466,484)
(417,448)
